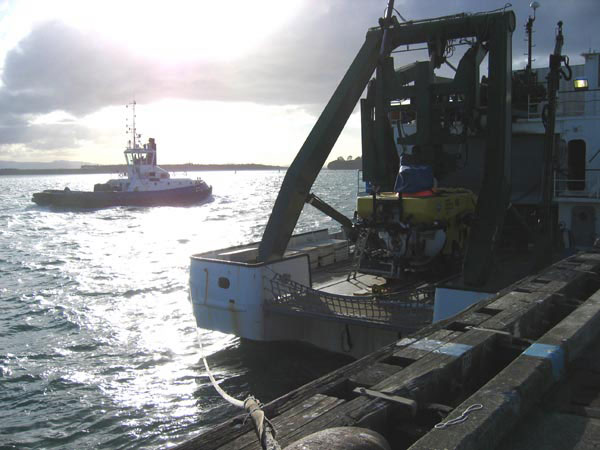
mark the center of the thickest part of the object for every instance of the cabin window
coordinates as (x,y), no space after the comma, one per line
(152,174)
(224,282)
(164,175)
(576,165)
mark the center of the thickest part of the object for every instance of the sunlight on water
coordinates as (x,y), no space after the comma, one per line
(97,338)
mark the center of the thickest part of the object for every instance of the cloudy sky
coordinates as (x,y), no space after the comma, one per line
(215,81)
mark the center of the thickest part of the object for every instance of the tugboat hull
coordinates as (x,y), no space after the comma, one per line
(84,199)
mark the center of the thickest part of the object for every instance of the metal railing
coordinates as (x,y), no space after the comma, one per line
(567,105)
(588,187)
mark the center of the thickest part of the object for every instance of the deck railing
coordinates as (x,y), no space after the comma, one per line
(587,187)
(569,104)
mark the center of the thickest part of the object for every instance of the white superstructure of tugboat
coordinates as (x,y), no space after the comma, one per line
(146,184)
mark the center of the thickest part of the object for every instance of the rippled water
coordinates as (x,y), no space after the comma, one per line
(97,340)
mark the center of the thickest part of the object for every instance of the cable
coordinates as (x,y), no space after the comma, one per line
(265,431)
(460,419)
(503,9)
(400,15)
(234,401)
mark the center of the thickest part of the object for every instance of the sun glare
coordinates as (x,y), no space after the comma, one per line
(193,131)
(169,33)
(179,30)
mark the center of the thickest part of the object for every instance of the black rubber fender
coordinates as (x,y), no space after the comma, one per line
(342,438)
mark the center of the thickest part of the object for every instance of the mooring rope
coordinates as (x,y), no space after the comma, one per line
(265,431)
(234,401)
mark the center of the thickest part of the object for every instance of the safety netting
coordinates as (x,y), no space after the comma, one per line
(406,309)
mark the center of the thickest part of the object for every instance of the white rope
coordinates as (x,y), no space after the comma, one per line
(222,393)
(460,419)
(265,431)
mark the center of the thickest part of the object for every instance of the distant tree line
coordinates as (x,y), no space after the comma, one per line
(120,168)
(346,164)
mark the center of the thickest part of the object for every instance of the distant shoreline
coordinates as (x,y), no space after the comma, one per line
(120,168)
(346,164)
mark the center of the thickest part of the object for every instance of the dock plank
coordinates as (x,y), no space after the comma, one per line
(233,428)
(416,349)
(517,388)
(289,421)
(431,376)
(372,375)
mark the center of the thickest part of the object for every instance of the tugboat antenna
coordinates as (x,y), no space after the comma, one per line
(132,129)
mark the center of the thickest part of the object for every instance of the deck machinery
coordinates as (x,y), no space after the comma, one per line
(449,119)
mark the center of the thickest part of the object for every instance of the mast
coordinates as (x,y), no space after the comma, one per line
(546,229)
(529,30)
(132,129)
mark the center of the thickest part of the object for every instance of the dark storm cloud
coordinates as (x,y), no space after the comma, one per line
(18,130)
(60,68)
(307,59)
(580,19)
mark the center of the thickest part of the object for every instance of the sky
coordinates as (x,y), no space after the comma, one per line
(214,81)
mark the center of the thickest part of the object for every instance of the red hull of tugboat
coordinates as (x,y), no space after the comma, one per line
(84,199)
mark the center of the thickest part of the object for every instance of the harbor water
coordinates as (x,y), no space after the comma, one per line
(98,345)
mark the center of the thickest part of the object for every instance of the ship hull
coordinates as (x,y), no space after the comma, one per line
(92,200)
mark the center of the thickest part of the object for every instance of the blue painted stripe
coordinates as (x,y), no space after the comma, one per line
(405,342)
(435,346)
(453,349)
(428,345)
(554,353)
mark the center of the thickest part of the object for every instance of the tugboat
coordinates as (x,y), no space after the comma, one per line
(146,184)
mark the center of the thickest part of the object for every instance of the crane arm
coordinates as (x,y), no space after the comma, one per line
(315,150)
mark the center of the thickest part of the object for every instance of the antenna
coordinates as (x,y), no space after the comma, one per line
(529,29)
(132,128)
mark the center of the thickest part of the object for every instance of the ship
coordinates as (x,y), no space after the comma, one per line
(145,183)
(469,184)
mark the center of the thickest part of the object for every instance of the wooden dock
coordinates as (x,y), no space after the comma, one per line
(524,363)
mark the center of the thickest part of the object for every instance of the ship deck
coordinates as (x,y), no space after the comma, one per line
(340,278)
(342,295)
(529,356)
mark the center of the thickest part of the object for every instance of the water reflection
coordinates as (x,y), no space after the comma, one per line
(98,345)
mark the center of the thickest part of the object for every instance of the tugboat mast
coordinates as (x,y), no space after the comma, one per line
(132,129)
